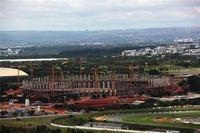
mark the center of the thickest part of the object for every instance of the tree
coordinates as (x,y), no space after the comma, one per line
(4,112)
(5,129)
(194,83)
(57,130)
(154,72)
(41,129)
(31,112)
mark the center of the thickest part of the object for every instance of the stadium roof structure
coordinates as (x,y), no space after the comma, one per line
(11,72)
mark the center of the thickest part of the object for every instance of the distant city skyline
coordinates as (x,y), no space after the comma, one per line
(97,14)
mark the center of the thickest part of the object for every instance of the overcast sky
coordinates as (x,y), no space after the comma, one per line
(97,14)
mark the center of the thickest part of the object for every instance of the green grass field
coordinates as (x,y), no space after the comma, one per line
(142,118)
(25,123)
(151,119)
(29,122)
(181,70)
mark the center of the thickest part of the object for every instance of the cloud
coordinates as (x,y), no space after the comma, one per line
(97,14)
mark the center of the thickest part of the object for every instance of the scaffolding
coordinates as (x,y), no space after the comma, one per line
(87,84)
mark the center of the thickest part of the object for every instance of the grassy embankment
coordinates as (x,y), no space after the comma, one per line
(162,119)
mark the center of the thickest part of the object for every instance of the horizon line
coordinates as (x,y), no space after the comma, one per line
(99,29)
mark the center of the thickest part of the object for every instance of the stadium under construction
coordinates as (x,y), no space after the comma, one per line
(97,83)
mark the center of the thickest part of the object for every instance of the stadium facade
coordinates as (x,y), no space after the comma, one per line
(88,84)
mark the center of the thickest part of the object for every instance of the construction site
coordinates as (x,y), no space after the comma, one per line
(109,84)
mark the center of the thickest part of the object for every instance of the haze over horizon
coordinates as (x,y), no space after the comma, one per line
(96,30)
(79,15)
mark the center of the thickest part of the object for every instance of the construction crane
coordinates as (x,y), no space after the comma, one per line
(113,80)
(95,77)
(130,67)
(53,80)
(18,73)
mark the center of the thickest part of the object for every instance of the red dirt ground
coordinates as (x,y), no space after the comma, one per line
(108,101)
(13,91)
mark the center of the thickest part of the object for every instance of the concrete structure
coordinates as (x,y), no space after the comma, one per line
(87,84)
(27,103)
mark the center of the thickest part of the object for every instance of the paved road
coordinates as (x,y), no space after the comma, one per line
(103,129)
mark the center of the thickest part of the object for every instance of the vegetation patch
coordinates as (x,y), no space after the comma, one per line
(162,119)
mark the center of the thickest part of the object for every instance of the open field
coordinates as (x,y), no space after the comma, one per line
(150,116)
(29,122)
(181,70)
(86,116)
(25,123)
(165,119)
(141,117)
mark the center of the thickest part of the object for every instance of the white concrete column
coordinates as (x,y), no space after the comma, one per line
(103,84)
